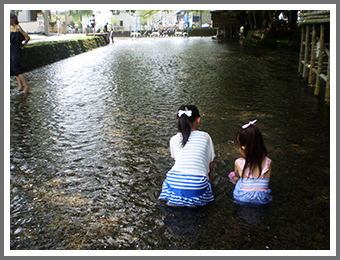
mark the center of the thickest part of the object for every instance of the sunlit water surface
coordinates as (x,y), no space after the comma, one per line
(89,149)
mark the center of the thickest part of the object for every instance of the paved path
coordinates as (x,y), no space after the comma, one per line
(53,37)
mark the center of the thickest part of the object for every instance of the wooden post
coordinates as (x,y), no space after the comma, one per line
(46,22)
(306,58)
(301,49)
(322,39)
(327,95)
(312,54)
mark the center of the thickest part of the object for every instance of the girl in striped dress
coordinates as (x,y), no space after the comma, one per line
(188,181)
(252,172)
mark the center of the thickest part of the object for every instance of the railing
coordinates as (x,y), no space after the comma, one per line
(313,52)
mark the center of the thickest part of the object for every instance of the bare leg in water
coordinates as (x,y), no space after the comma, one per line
(22,83)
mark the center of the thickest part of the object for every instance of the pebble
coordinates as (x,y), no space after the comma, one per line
(17,231)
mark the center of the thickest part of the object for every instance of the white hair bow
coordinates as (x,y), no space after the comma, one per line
(187,112)
(250,123)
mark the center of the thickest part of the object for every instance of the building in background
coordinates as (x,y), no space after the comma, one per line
(123,21)
(193,18)
(32,21)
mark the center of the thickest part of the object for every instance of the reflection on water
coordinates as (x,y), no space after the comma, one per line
(89,149)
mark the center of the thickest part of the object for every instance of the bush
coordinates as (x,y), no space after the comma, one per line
(44,53)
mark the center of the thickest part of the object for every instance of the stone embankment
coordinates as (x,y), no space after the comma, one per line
(41,54)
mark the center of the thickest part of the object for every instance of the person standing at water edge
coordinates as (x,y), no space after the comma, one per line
(252,172)
(18,35)
(106,32)
(111,35)
(93,23)
(59,26)
(188,181)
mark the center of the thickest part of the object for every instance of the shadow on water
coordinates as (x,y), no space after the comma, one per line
(89,149)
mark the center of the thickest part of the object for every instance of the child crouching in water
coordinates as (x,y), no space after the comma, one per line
(188,181)
(252,172)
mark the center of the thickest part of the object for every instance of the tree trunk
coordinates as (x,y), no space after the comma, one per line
(265,20)
(200,18)
(270,15)
(255,25)
(249,18)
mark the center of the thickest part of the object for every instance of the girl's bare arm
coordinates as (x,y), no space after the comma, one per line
(27,38)
(211,167)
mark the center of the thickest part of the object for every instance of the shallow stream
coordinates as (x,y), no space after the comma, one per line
(89,149)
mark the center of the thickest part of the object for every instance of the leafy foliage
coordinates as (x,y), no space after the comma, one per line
(261,18)
(77,14)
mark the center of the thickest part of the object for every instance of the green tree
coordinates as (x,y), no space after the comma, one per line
(114,21)
(261,18)
(78,14)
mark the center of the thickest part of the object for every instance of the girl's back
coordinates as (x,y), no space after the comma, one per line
(254,188)
(188,181)
(252,172)
(266,169)
(195,156)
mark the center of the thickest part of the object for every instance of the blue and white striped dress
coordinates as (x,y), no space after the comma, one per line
(250,189)
(187,183)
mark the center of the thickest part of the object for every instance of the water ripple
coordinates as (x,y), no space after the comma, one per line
(89,146)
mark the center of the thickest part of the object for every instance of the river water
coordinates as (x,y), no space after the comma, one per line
(89,149)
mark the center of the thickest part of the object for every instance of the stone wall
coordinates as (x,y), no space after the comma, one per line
(41,54)
(202,32)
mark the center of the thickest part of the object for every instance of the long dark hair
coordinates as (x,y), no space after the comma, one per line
(184,121)
(255,150)
(14,16)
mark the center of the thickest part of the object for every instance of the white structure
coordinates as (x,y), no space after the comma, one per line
(127,22)
(132,22)
(102,17)
(117,21)
(193,18)
(161,20)
(32,21)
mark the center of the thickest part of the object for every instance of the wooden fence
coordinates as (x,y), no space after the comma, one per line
(314,61)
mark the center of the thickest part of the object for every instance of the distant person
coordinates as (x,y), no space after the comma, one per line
(18,35)
(107,33)
(242,31)
(252,172)
(93,23)
(188,181)
(241,34)
(111,35)
(59,26)
(270,27)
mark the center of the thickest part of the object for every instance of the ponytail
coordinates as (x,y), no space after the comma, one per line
(251,137)
(186,117)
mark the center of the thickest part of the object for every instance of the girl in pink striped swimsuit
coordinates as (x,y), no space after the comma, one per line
(252,172)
